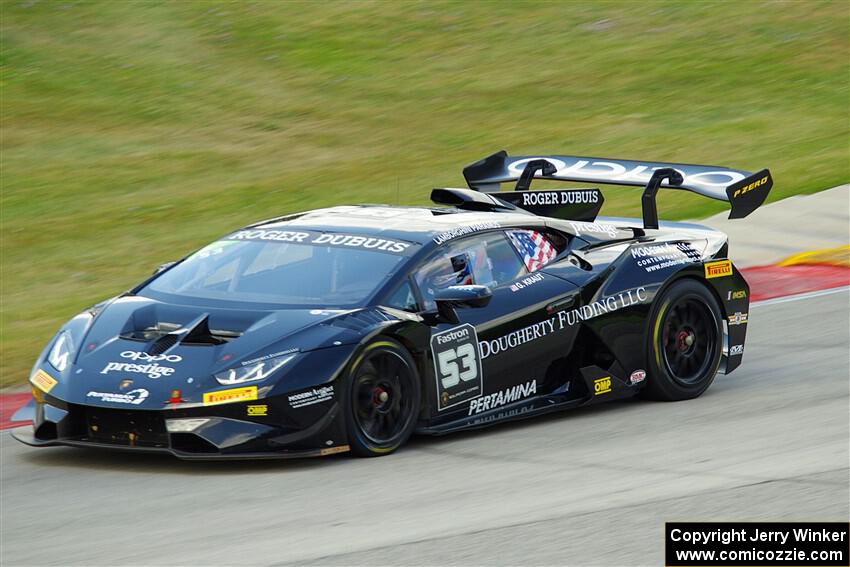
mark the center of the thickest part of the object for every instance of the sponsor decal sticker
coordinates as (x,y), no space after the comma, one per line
(503,397)
(719,269)
(133,397)
(601,386)
(310,397)
(258,410)
(637,377)
(738,318)
(560,197)
(268,356)
(149,364)
(276,235)
(594,228)
(562,320)
(176,397)
(457,365)
(464,230)
(145,357)
(630,171)
(660,256)
(747,188)
(519,337)
(333,450)
(507,414)
(737,294)
(322,239)
(736,350)
(43,381)
(247,393)
(527,282)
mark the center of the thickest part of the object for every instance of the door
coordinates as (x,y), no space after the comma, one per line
(499,354)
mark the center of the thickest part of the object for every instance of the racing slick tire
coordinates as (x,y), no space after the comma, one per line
(684,342)
(382,398)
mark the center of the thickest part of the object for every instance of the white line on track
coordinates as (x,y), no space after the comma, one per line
(799,296)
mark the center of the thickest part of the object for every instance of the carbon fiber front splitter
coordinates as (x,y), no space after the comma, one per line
(25,435)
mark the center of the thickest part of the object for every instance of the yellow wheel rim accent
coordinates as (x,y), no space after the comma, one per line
(655,333)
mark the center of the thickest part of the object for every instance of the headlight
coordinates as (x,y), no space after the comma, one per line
(62,351)
(252,372)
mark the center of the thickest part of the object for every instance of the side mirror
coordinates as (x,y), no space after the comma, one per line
(163,267)
(449,298)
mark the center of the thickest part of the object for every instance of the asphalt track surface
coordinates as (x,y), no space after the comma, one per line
(587,487)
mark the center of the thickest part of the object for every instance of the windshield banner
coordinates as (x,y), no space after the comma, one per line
(339,240)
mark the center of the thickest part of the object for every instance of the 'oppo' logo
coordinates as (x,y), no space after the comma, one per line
(629,171)
(134,355)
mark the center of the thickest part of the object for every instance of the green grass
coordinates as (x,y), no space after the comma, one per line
(133,132)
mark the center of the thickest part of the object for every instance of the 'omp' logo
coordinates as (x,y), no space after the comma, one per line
(718,269)
(258,410)
(602,385)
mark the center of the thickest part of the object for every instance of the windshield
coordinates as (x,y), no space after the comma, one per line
(296,269)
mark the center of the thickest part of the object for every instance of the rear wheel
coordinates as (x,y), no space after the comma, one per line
(684,342)
(383,398)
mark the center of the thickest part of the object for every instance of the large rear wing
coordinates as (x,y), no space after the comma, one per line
(743,190)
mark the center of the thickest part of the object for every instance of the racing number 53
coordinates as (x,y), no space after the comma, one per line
(450,373)
(457,366)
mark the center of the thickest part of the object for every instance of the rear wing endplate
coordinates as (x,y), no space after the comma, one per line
(744,191)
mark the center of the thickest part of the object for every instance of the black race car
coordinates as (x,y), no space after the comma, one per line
(349,328)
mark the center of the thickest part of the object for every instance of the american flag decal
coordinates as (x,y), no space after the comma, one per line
(535,249)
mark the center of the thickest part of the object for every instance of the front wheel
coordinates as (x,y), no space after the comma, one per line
(684,343)
(382,398)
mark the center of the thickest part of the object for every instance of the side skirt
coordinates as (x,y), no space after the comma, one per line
(601,386)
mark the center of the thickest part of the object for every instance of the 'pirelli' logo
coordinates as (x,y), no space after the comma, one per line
(750,187)
(718,269)
(43,381)
(229,396)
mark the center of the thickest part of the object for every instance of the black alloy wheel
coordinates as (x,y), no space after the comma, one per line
(384,398)
(689,339)
(684,342)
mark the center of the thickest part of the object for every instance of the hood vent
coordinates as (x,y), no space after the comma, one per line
(163,344)
(151,333)
(143,327)
(359,320)
(200,334)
